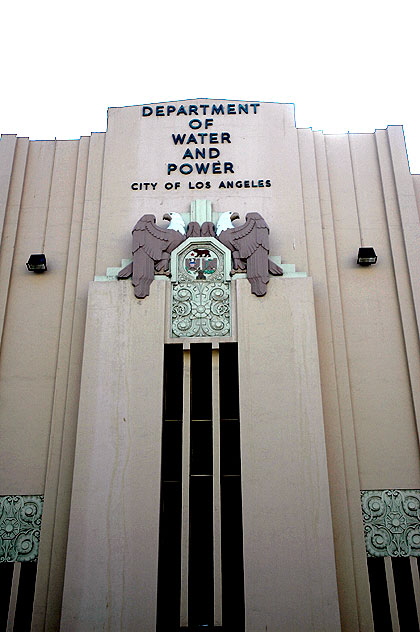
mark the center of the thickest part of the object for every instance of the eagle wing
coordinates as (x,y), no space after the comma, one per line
(152,238)
(150,242)
(250,236)
(249,243)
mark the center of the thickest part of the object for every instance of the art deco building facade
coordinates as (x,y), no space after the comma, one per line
(208,456)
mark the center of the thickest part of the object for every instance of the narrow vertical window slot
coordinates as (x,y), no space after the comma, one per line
(233,604)
(201,462)
(6,577)
(185,525)
(379,594)
(406,603)
(25,597)
(200,568)
(201,398)
(169,566)
(200,589)
(217,546)
(416,583)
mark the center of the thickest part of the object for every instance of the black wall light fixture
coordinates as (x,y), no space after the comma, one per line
(37,263)
(366,257)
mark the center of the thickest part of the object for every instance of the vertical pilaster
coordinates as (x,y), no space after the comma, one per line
(112,558)
(290,578)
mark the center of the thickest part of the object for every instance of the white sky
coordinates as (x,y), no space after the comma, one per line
(347,66)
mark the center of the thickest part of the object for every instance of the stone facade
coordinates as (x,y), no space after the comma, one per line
(329,363)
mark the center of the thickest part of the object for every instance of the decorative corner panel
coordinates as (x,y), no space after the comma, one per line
(20,527)
(391,519)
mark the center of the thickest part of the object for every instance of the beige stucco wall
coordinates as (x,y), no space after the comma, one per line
(138,149)
(329,194)
(51,203)
(290,578)
(113,533)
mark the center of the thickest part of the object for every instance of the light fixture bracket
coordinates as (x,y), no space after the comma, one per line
(366,257)
(37,263)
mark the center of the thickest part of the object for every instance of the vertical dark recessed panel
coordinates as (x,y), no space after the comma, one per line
(169,565)
(379,594)
(6,577)
(169,571)
(200,554)
(233,606)
(201,445)
(230,448)
(201,380)
(200,575)
(173,382)
(171,449)
(229,381)
(233,602)
(25,597)
(406,604)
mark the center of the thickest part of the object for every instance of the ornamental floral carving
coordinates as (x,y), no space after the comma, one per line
(20,527)
(391,519)
(200,291)
(200,310)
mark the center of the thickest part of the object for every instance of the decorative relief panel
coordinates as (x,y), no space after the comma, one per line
(391,519)
(20,527)
(200,290)
(200,310)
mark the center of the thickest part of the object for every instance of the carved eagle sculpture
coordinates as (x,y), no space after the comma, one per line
(249,246)
(152,246)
